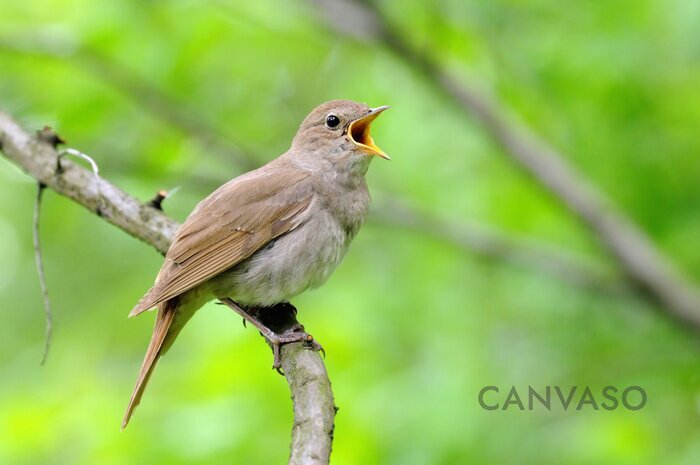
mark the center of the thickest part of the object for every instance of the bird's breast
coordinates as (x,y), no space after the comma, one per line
(301,259)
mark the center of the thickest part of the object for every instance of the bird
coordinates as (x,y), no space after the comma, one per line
(268,234)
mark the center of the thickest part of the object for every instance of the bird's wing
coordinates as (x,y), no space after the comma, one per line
(227,227)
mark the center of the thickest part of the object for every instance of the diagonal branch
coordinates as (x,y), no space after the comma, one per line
(494,245)
(637,256)
(306,375)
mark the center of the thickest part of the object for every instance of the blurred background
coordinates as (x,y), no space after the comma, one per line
(469,273)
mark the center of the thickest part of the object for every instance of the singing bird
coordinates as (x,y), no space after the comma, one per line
(269,234)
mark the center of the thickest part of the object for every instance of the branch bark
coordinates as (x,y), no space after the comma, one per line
(314,409)
(645,266)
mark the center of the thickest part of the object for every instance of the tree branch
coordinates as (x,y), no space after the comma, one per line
(491,244)
(642,263)
(306,375)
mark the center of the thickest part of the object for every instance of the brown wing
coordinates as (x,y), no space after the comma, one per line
(227,227)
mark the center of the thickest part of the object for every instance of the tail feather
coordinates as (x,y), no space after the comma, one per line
(166,314)
(146,303)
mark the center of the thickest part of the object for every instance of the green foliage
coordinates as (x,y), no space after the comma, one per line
(413,327)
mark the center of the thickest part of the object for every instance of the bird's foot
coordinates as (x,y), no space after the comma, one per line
(278,325)
(276,341)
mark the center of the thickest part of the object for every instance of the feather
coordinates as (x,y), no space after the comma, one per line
(227,227)
(166,314)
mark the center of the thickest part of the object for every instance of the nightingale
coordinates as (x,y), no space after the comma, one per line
(269,234)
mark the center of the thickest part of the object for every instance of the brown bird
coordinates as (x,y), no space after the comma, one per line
(269,234)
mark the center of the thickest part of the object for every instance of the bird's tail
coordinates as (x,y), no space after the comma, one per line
(156,348)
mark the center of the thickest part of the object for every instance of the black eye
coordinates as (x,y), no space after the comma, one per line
(332,121)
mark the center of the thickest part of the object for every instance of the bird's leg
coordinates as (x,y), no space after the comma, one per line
(277,324)
(281,320)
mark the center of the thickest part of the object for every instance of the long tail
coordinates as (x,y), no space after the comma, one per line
(156,348)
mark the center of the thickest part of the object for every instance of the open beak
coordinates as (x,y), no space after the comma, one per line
(359,133)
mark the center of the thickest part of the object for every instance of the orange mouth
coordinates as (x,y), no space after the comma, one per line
(359,133)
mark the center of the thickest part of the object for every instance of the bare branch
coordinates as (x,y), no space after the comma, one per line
(492,244)
(40,271)
(637,256)
(311,402)
(305,372)
(118,208)
(311,395)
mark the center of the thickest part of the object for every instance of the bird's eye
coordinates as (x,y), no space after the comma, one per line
(332,121)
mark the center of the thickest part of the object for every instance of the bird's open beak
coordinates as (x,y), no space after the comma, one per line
(359,133)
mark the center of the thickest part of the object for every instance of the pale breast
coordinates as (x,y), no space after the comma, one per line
(301,259)
(305,257)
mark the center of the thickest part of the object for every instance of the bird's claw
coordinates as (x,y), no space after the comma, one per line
(277,341)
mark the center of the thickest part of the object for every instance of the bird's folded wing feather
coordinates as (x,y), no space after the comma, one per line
(227,227)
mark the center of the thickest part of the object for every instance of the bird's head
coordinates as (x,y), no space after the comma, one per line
(338,132)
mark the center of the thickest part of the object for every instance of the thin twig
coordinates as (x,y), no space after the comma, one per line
(157,200)
(54,141)
(40,271)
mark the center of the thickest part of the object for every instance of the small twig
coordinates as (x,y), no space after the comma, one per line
(40,270)
(157,201)
(49,136)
